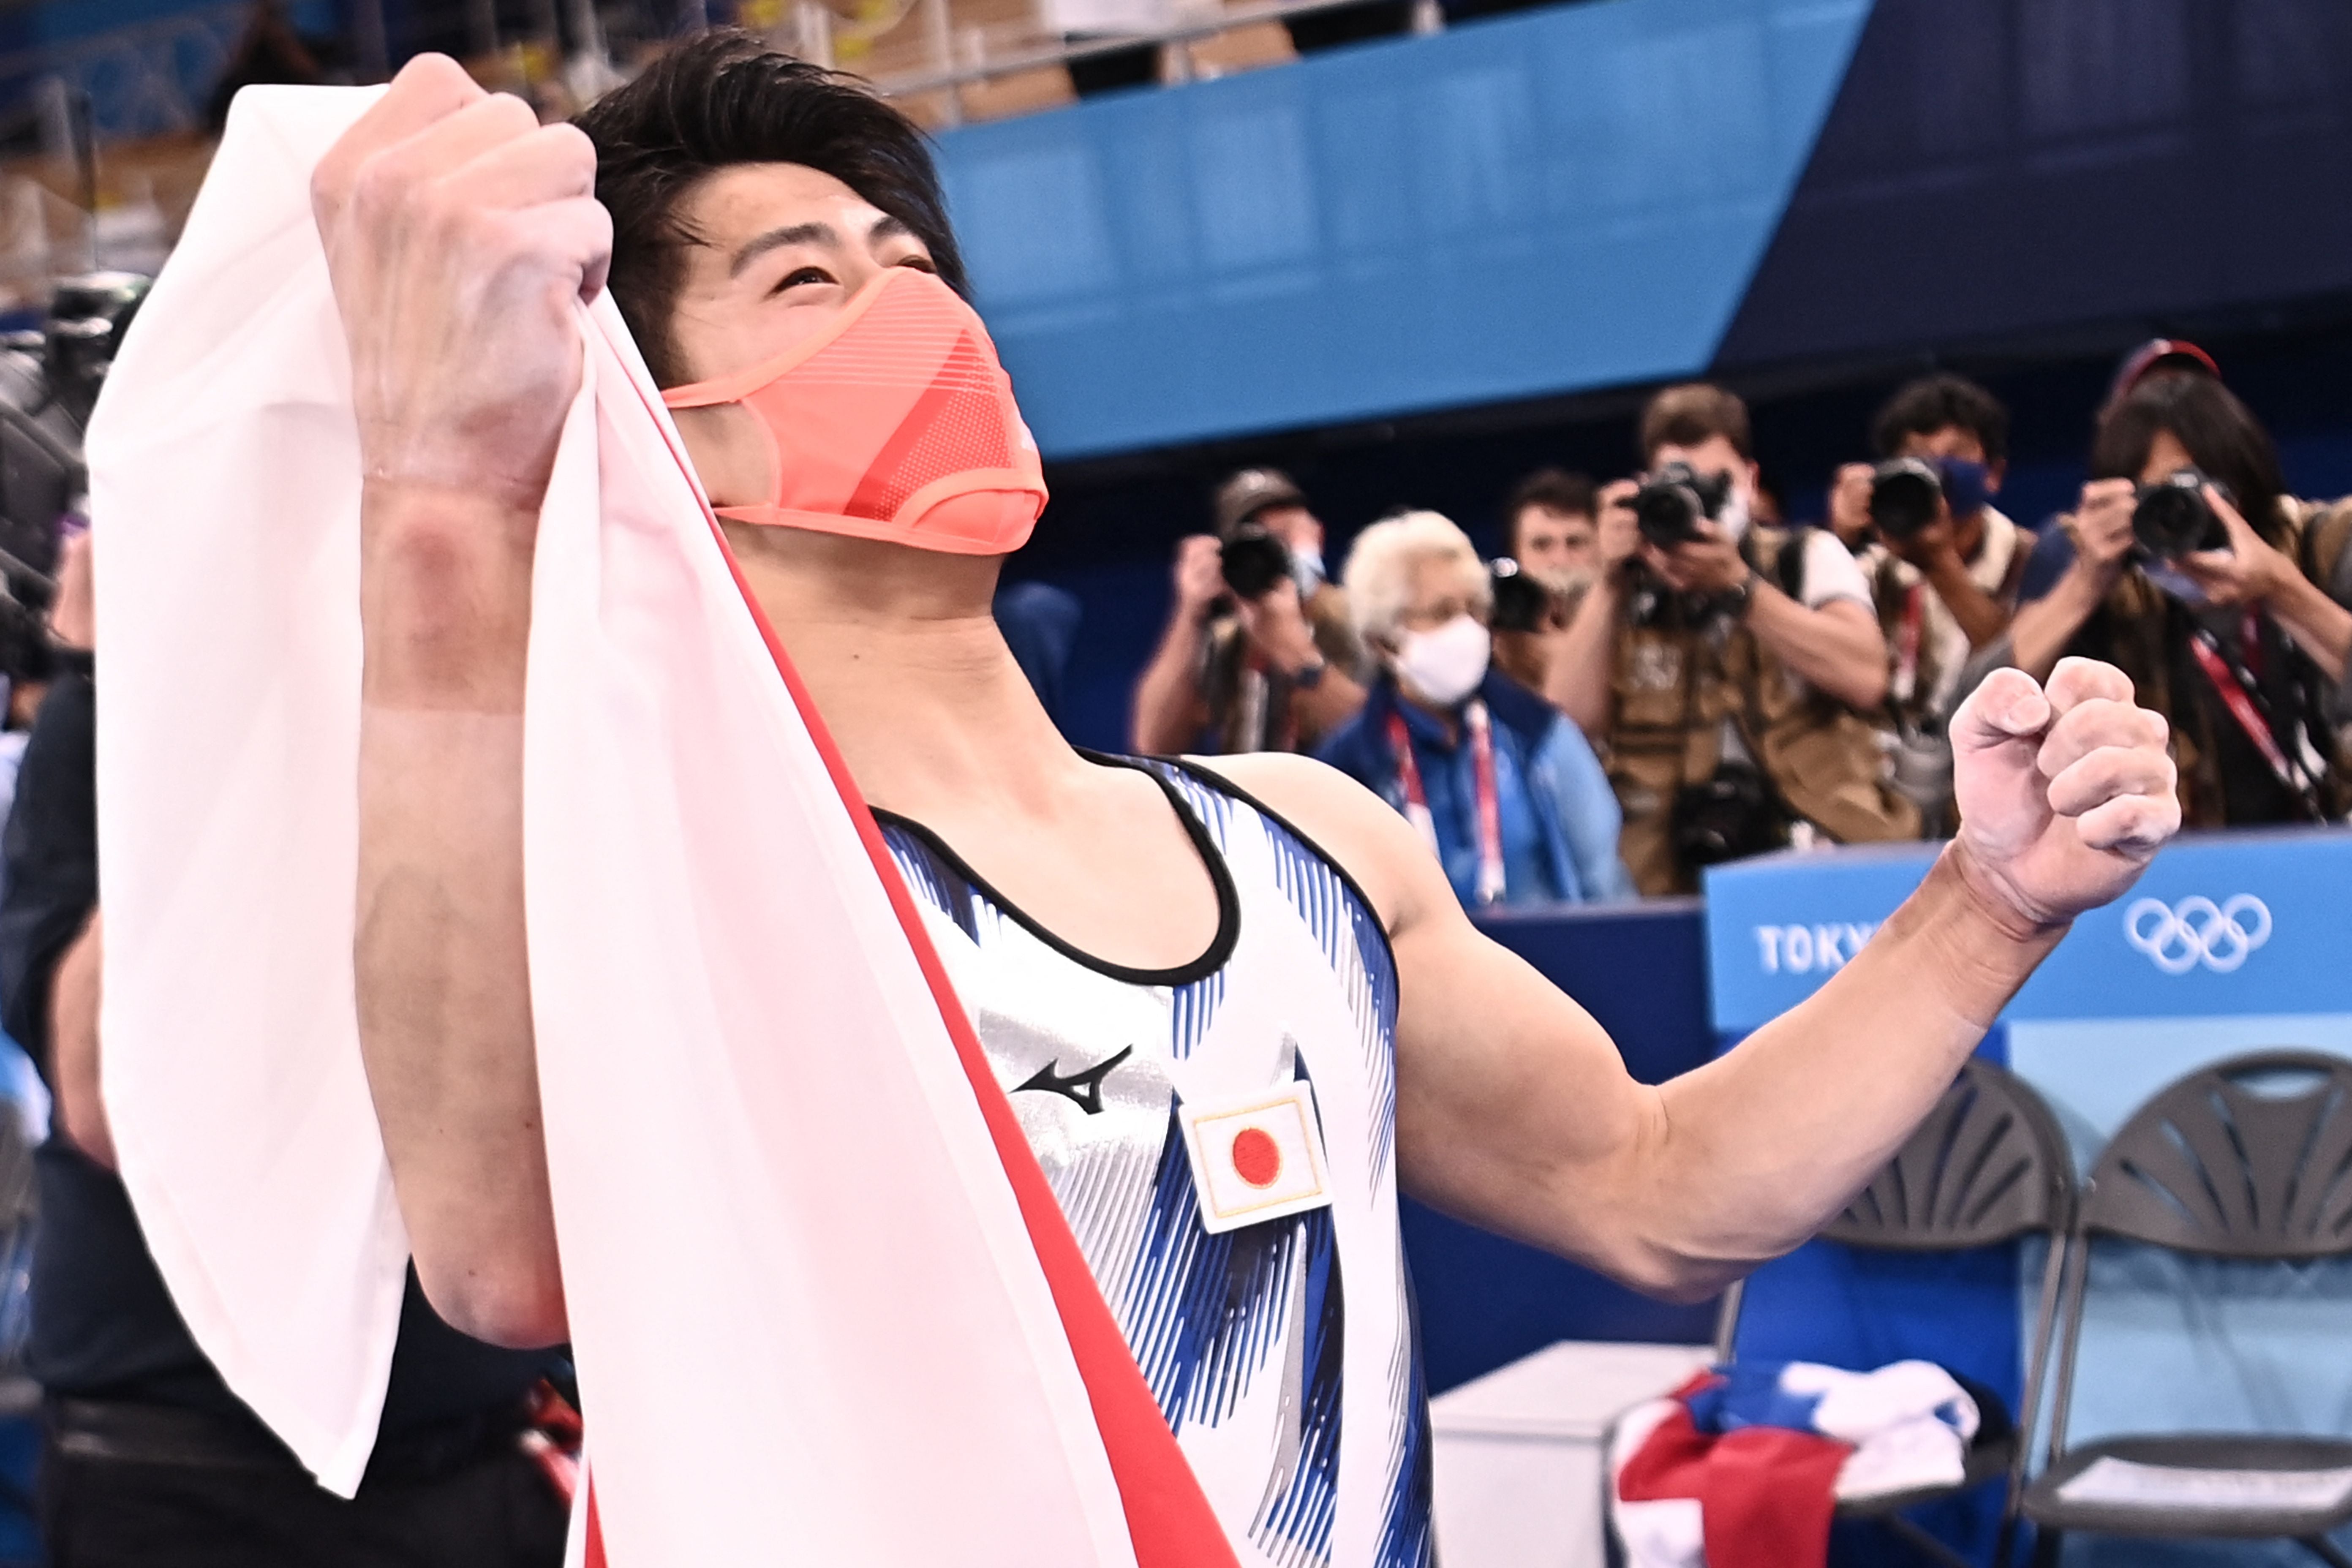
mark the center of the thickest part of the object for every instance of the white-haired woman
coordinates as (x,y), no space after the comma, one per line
(1503,786)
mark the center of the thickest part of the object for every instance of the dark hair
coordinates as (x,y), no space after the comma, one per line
(1554,490)
(1688,415)
(726,98)
(1936,403)
(2221,434)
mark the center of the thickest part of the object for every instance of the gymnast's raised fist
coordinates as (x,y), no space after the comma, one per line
(2065,792)
(460,233)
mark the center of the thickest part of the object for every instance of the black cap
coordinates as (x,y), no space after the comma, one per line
(1250,492)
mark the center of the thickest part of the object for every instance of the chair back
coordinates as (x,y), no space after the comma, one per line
(1988,1164)
(2250,1158)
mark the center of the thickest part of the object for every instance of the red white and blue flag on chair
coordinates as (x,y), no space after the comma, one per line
(1743,1467)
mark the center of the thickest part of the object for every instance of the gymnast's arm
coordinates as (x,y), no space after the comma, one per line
(1515,1111)
(458,236)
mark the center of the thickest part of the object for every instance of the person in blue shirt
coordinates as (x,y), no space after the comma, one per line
(1503,787)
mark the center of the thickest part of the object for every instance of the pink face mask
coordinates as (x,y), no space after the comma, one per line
(894,421)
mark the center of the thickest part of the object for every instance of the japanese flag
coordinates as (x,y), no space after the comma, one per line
(1256,1159)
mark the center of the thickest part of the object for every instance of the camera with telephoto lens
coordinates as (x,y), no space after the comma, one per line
(1253,561)
(1522,604)
(1905,494)
(1670,503)
(2172,518)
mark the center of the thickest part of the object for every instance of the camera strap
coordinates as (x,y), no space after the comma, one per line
(2243,698)
(1908,635)
(1489,802)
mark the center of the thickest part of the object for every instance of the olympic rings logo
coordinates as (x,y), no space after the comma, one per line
(2179,937)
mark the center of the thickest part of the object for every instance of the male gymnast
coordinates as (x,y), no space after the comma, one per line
(1141,944)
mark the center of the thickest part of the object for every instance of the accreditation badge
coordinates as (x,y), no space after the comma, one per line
(1255,1158)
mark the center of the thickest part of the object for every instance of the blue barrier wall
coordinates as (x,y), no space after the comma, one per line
(1563,198)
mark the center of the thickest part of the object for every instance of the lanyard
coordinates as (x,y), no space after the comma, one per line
(2236,690)
(1490,810)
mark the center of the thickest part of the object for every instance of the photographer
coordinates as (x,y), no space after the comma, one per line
(1505,790)
(1725,667)
(1944,563)
(2189,566)
(1258,655)
(1551,539)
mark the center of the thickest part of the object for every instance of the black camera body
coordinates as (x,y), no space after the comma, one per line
(1905,496)
(1729,815)
(1670,503)
(1253,561)
(2172,518)
(1522,604)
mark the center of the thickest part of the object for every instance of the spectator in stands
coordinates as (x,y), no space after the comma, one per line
(1272,669)
(1849,507)
(1553,527)
(149,1460)
(1551,530)
(1944,588)
(1728,675)
(1505,790)
(2240,643)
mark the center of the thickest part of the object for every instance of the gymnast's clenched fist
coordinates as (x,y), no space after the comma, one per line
(2065,792)
(459,234)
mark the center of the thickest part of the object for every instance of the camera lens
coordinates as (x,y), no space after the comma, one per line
(1668,507)
(1521,604)
(1905,496)
(1666,514)
(2172,518)
(1253,561)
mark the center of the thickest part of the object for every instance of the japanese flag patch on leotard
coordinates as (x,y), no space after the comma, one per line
(1256,1158)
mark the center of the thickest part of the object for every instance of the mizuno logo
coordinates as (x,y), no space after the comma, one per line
(1085,1088)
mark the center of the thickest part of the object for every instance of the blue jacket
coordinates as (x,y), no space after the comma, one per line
(1559,816)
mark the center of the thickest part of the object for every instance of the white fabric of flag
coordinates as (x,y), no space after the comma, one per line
(809,1322)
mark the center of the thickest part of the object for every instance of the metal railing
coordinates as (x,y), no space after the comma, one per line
(980,64)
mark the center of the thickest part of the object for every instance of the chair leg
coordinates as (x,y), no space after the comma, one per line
(2326,1551)
(1925,1543)
(2049,1546)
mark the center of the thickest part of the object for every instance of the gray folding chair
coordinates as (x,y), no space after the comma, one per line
(1988,1165)
(2250,1159)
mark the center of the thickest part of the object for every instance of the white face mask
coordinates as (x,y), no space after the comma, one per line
(1732,521)
(1444,665)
